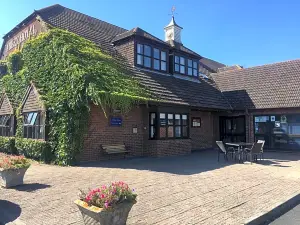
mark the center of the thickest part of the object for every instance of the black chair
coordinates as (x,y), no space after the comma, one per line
(254,152)
(223,150)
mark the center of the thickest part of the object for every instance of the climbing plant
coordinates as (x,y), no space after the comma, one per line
(71,72)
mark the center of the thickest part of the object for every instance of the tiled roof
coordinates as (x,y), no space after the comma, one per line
(93,29)
(211,65)
(268,86)
(170,89)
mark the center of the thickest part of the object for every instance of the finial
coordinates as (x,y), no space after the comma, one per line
(173,10)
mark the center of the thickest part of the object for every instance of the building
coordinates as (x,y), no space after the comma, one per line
(201,100)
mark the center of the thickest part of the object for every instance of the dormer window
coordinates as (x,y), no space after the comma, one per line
(152,58)
(144,55)
(181,63)
(192,68)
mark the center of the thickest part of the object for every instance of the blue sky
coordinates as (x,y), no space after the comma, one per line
(241,32)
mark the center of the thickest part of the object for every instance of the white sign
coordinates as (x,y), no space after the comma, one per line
(277,124)
(272,118)
(21,37)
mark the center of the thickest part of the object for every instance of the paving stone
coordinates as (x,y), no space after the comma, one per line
(193,189)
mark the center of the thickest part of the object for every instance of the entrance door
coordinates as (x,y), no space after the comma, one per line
(233,129)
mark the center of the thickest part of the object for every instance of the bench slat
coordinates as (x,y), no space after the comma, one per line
(114,149)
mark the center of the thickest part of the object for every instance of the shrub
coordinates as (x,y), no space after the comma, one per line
(35,149)
(107,197)
(14,62)
(7,145)
(13,162)
(3,68)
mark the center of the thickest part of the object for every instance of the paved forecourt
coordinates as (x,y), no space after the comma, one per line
(193,189)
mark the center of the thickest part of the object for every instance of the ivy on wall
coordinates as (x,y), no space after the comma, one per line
(70,72)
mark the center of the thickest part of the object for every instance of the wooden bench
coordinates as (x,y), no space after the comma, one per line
(114,149)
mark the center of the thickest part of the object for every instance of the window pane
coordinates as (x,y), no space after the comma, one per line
(195,65)
(33,119)
(182,61)
(184,131)
(190,63)
(170,131)
(147,62)
(25,132)
(162,119)
(176,68)
(140,48)
(147,50)
(176,59)
(170,119)
(139,60)
(163,56)
(156,53)
(29,130)
(184,119)
(162,132)
(152,132)
(177,131)
(156,64)
(190,71)
(195,73)
(163,65)
(28,118)
(177,119)
(152,118)
(182,69)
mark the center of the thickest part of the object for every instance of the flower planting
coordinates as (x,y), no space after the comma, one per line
(9,162)
(107,197)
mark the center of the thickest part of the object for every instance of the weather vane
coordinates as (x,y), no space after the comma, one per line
(173,9)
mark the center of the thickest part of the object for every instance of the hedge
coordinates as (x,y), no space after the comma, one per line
(34,149)
(7,145)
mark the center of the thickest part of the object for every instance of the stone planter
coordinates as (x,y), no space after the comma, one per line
(97,216)
(12,177)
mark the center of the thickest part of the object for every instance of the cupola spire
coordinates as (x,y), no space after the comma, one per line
(173,30)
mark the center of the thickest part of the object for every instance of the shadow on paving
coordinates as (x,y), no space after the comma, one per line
(197,162)
(30,187)
(9,212)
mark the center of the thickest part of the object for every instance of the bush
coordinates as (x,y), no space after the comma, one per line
(7,145)
(3,68)
(15,62)
(34,149)
(8,162)
(108,197)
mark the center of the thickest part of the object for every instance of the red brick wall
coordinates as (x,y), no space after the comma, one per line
(161,148)
(202,137)
(126,49)
(100,132)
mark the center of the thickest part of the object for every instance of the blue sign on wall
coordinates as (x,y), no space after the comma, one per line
(116,121)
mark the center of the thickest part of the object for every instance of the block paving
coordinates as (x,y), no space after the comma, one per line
(191,189)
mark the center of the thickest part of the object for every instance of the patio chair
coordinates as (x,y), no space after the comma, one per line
(223,150)
(254,152)
(262,148)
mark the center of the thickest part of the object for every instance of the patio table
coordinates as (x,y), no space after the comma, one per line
(240,146)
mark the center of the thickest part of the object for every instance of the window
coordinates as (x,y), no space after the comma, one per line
(160,60)
(182,65)
(144,55)
(192,68)
(179,64)
(170,126)
(196,122)
(152,125)
(6,125)
(33,125)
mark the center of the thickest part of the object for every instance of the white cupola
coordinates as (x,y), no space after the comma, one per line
(173,31)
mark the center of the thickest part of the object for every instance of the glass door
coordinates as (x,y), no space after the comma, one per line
(232,129)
